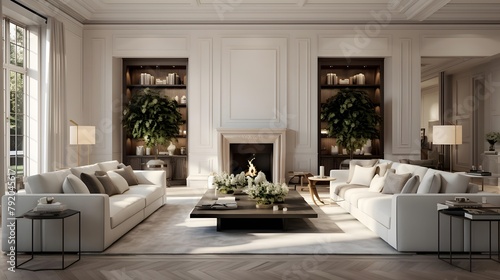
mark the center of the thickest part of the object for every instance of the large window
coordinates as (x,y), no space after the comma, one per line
(15,69)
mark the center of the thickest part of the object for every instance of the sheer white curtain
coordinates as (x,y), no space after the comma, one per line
(55,123)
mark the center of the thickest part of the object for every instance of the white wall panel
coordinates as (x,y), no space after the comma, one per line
(459,45)
(253,82)
(406,98)
(355,45)
(160,45)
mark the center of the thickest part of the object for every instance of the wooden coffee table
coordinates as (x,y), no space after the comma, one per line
(246,212)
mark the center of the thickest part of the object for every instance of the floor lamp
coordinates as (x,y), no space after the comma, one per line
(447,135)
(81,135)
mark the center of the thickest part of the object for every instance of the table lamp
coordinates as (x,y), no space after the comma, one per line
(81,135)
(447,135)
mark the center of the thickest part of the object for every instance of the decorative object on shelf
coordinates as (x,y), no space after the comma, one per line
(183,99)
(171,149)
(139,150)
(331,79)
(351,118)
(265,193)
(229,183)
(183,150)
(360,79)
(447,135)
(152,117)
(148,151)
(492,138)
(81,135)
(334,150)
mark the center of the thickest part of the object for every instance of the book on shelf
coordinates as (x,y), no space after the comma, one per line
(482,214)
(463,204)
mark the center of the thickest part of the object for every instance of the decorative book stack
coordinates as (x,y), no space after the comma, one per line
(482,214)
(50,208)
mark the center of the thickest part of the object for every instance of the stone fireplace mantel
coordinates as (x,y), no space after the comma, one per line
(277,137)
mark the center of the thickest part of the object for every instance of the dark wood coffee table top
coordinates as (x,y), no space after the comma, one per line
(296,206)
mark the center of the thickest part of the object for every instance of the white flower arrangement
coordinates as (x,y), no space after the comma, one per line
(493,137)
(228,183)
(265,192)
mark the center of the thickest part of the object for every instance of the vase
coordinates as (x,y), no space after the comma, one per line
(492,145)
(148,151)
(171,149)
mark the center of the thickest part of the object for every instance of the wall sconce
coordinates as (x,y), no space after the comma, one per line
(81,135)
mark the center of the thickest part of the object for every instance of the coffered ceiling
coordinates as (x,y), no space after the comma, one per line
(279,11)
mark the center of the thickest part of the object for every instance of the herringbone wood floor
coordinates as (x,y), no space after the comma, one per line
(262,267)
(241,267)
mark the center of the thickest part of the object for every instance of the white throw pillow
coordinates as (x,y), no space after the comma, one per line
(73,184)
(377,183)
(362,175)
(411,185)
(431,184)
(361,162)
(120,182)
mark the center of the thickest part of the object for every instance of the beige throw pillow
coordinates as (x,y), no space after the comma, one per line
(108,185)
(120,182)
(128,174)
(394,183)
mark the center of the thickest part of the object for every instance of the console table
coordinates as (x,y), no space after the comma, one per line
(62,216)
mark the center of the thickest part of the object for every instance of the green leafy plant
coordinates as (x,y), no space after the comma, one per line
(351,118)
(152,117)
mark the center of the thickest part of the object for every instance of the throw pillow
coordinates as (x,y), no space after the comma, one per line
(453,182)
(106,182)
(382,168)
(360,162)
(394,183)
(120,182)
(377,183)
(411,185)
(362,175)
(430,184)
(73,184)
(128,174)
(92,183)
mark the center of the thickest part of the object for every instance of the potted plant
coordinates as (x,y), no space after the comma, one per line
(351,118)
(492,138)
(152,117)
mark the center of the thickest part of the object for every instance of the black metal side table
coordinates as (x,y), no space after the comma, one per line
(63,215)
(458,214)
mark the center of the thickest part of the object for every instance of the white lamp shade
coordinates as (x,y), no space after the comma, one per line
(447,134)
(81,135)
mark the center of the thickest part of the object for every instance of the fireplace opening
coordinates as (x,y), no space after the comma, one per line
(260,155)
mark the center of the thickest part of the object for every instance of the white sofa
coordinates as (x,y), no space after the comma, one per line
(104,218)
(409,221)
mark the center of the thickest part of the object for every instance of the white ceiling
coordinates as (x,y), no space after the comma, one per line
(279,11)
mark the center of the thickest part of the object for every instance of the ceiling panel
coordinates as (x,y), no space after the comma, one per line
(279,11)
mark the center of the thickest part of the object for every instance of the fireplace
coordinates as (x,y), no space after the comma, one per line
(259,155)
(267,146)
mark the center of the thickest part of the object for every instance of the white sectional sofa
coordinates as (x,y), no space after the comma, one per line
(409,221)
(104,218)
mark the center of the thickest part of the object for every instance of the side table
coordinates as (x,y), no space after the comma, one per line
(458,214)
(312,186)
(37,216)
